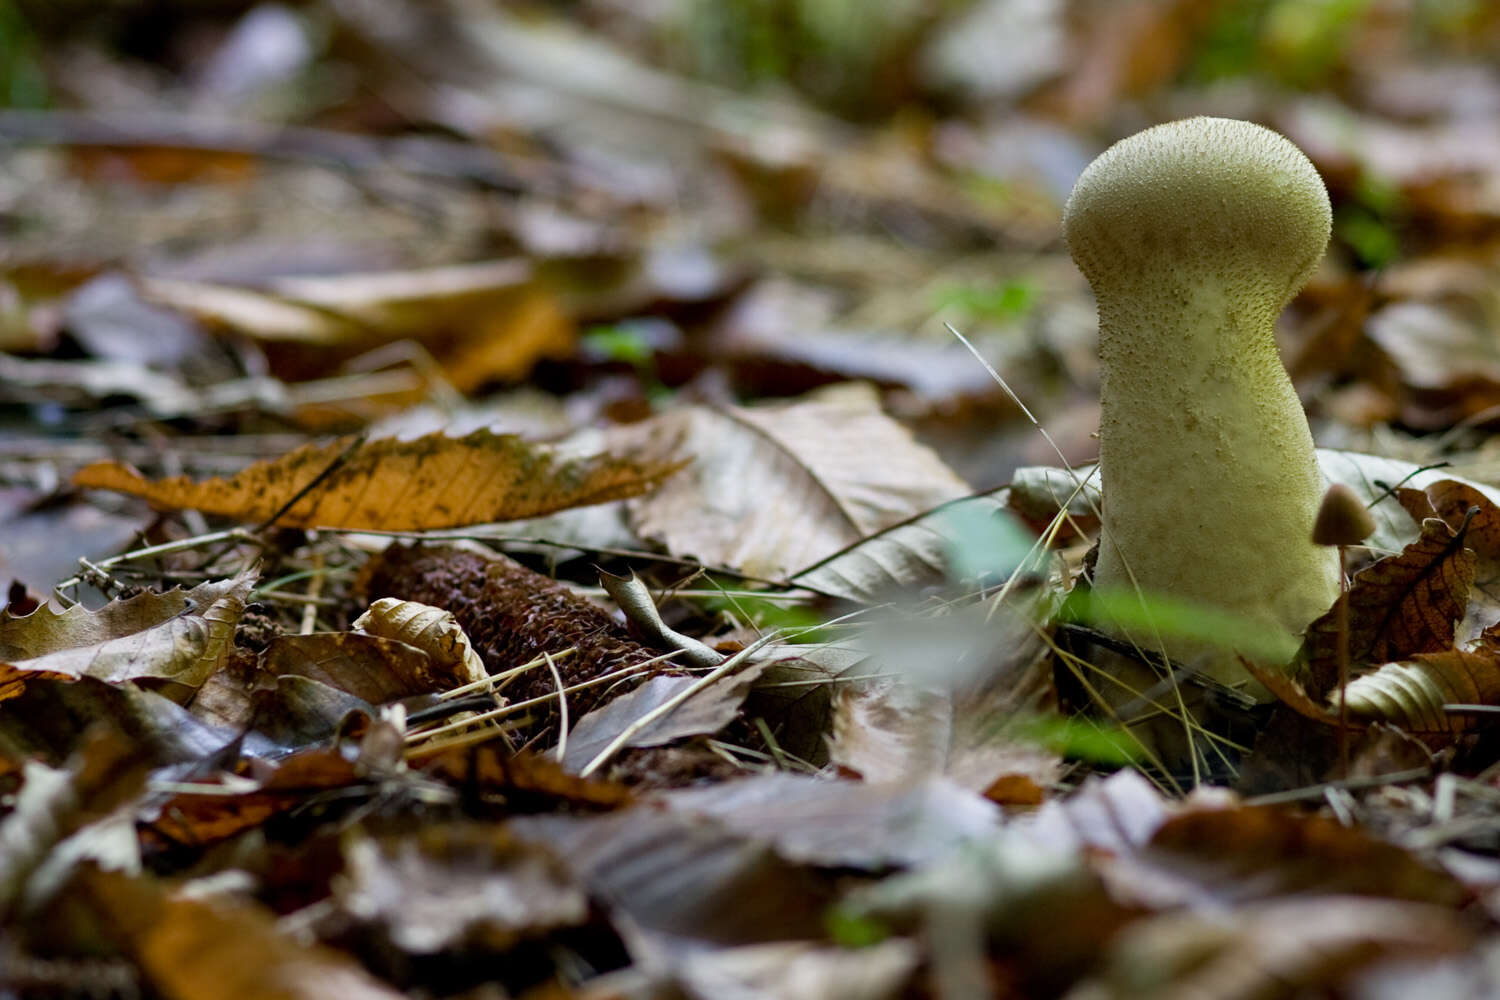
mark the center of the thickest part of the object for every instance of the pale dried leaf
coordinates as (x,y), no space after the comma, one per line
(432,630)
(180,636)
(1402,605)
(845,824)
(1371,476)
(703,713)
(634,599)
(1412,693)
(372,668)
(256,314)
(961,540)
(776,489)
(800,970)
(1299,946)
(456,886)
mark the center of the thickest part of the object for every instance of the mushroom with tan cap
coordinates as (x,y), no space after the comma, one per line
(1194,235)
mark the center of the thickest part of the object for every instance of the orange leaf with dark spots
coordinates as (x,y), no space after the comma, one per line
(433,481)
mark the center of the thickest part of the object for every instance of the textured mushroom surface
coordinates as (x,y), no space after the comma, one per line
(1194,235)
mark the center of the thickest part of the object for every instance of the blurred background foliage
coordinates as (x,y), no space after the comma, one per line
(777,194)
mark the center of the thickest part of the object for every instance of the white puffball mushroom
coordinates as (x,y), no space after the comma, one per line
(1194,235)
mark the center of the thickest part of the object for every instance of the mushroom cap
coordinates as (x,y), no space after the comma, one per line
(1201,199)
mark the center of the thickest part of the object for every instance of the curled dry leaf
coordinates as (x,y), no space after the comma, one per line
(1452,500)
(433,481)
(514,617)
(180,636)
(106,772)
(1412,693)
(1400,606)
(634,599)
(432,630)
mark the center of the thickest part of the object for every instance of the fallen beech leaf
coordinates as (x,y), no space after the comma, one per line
(456,886)
(844,824)
(1117,815)
(685,876)
(507,343)
(432,630)
(800,969)
(191,949)
(211,814)
(1235,854)
(106,772)
(180,636)
(258,314)
(433,481)
(44,720)
(704,713)
(369,667)
(1294,947)
(1400,606)
(523,776)
(1452,501)
(513,616)
(772,490)
(484,321)
(975,725)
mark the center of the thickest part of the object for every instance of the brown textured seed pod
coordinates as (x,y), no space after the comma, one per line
(511,616)
(1194,235)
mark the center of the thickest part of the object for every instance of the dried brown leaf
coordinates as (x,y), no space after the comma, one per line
(1299,946)
(195,949)
(845,824)
(261,315)
(686,877)
(455,886)
(432,630)
(705,712)
(773,490)
(180,636)
(212,814)
(1255,852)
(434,481)
(372,668)
(1412,693)
(524,776)
(107,771)
(1118,814)
(1398,607)
(1451,500)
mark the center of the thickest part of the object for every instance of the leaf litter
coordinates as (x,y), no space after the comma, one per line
(685,690)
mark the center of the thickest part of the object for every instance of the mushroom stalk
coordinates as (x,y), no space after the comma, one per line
(1194,235)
